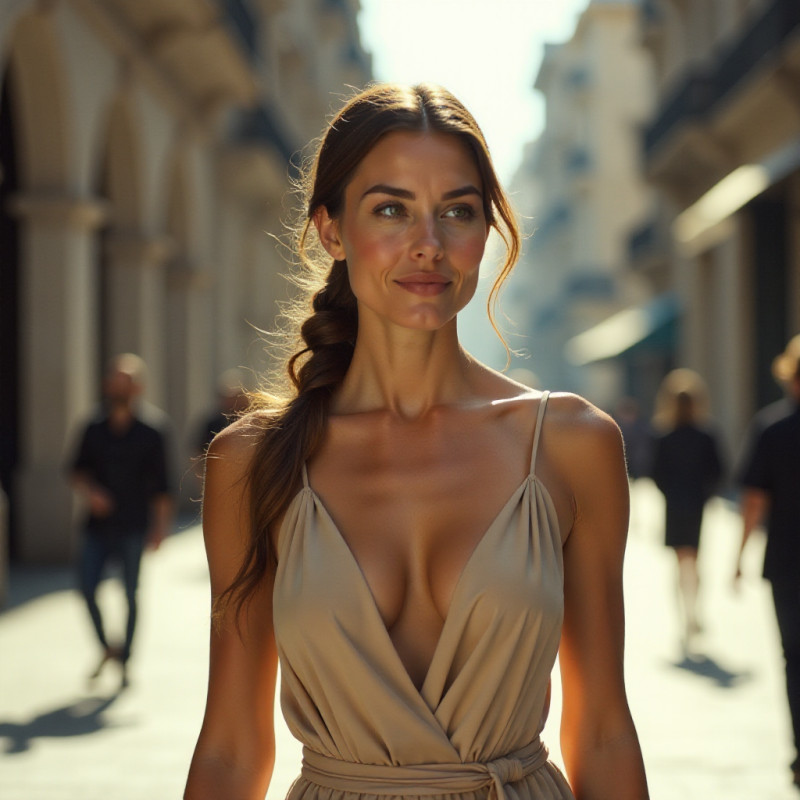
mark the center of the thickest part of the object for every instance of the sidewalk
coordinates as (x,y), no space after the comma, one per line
(711,728)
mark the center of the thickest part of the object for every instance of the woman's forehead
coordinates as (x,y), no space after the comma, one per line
(410,155)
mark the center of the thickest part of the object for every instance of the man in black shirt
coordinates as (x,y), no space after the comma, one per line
(770,481)
(120,470)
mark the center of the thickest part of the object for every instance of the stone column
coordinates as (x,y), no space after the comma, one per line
(228,274)
(58,338)
(137,303)
(188,367)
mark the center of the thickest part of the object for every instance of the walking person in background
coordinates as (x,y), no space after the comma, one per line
(120,471)
(687,468)
(770,481)
(412,534)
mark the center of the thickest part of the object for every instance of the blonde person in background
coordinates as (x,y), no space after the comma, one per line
(410,533)
(687,468)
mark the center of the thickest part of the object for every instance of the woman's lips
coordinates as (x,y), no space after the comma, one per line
(424,284)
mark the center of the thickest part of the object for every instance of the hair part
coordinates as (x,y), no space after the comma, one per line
(322,324)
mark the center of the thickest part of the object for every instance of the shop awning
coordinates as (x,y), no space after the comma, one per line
(648,326)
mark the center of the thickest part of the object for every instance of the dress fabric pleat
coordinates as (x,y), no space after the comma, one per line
(471,732)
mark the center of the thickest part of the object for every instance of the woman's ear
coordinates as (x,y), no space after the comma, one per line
(328,232)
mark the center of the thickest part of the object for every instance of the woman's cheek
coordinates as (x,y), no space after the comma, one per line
(372,249)
(471,252)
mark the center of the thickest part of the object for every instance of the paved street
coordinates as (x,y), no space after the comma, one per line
(714,726)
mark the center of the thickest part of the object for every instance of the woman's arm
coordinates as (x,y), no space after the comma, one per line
(235,752)
(599,743)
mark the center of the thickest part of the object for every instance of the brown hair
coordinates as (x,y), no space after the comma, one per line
(291,428)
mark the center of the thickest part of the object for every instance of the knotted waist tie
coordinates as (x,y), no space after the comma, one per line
(424,780)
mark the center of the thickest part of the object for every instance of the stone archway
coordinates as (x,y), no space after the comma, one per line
(117,183)
(131,295)
(57,337)
(41,106)
(178,284)
(188,363)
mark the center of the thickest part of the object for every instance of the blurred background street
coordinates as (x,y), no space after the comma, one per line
(148,150)
(713,727)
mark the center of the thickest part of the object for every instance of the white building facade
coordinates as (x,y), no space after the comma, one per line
(146,150)
(581,192)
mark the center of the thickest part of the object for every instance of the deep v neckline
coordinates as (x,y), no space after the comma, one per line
(513,500)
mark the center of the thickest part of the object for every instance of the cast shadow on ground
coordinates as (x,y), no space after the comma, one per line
(705,666)
(81,718)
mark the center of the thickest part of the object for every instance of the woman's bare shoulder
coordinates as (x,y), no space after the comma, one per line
(234,447)
(573,416)
(584,442)
(226,518)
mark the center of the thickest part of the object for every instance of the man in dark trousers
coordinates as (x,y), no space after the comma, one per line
(120,470)
(770,480)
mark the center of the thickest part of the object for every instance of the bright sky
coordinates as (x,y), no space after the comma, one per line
(486,52)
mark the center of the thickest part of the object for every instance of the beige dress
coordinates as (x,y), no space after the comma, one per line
(472,731)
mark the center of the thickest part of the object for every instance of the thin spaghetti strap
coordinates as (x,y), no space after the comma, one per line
(305,476)
(539,418)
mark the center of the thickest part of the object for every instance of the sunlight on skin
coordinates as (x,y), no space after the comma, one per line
(487,52)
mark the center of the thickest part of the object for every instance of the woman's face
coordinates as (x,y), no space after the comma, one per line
(412,229)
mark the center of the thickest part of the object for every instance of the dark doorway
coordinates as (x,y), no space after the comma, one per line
(9,313)
(770,215)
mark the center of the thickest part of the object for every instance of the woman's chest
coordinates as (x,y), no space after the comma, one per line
(411,513)
(513,577)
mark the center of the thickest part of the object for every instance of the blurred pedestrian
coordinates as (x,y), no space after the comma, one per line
(231,402)
(770,480)
(687,468)
(120,470)
(637,434)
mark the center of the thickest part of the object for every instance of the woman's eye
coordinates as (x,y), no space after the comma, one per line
(390,210)
(460,212)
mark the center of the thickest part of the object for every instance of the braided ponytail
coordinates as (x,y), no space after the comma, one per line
(290,437)
(292,429)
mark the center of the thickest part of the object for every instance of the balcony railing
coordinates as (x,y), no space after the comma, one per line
(688,103)
(261,126)
(647,242)
(760,43)
(700,93)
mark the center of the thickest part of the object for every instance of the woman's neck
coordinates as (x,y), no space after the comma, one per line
(407,372)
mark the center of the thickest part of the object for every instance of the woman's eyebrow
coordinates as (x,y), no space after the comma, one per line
(384,188)
(394,191)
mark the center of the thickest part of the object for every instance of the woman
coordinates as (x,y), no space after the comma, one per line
(383,531)
(687,469)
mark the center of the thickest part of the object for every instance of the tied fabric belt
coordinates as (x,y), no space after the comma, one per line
(424,780)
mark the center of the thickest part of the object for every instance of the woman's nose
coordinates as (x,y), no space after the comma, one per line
(428,242)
